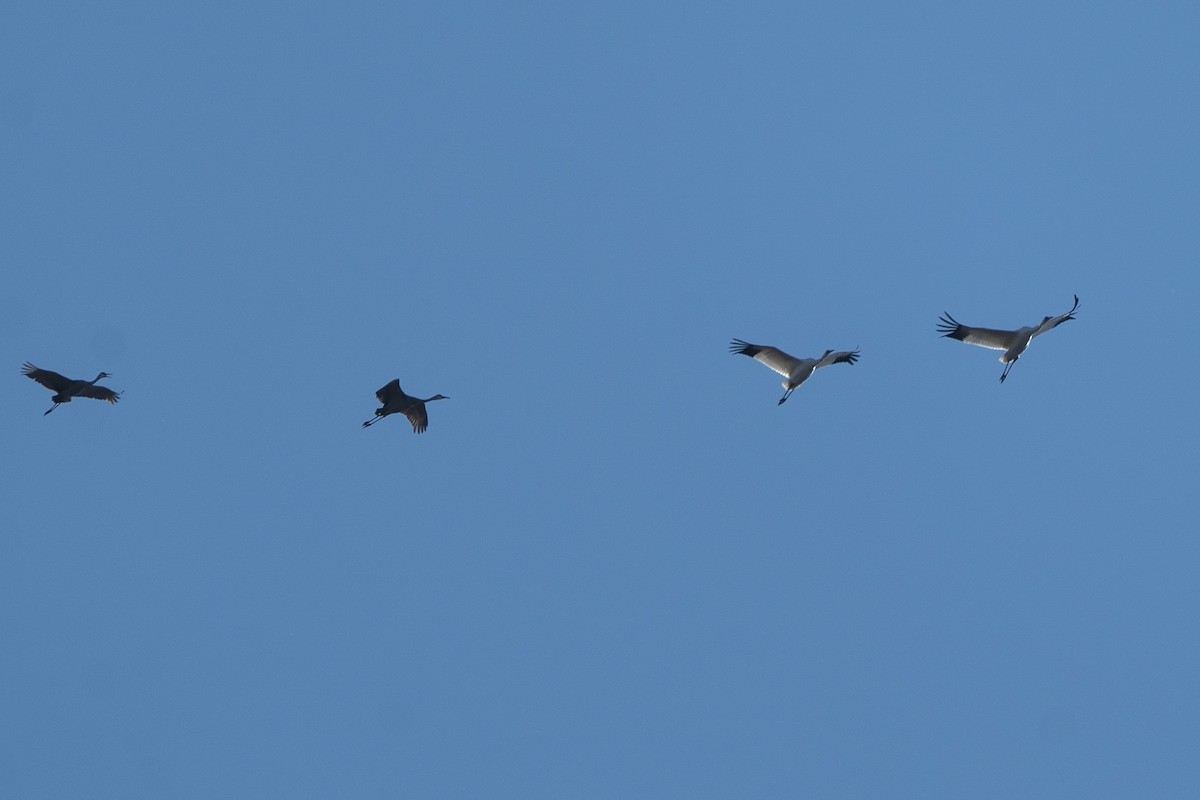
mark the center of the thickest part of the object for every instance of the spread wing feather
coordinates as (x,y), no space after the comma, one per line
(772,357)
(1054,322)
(840,357)
(51,380)
(990,338)
(99,393)
(418,417)
(391,390)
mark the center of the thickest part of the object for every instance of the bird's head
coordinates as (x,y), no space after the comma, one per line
(102,376)
(438,397)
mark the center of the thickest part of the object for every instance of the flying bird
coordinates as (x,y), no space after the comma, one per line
(795,370)
(395,401)
(65,388)
(1013,343)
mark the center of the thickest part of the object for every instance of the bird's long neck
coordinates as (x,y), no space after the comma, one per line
(96,379)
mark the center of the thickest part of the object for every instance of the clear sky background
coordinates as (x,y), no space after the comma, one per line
(613,566)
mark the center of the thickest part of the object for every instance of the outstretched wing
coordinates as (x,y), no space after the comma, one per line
(51,380)
(990,338)
(99,393)
(391,390)
(418,417)
(1054,322)
(773,357)
(840,357)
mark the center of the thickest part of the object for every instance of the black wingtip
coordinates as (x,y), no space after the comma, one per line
(949,327)
(742,348)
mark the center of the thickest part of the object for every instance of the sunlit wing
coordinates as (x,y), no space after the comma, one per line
(990,338)
(1054,322)
(773,357)
(840,357)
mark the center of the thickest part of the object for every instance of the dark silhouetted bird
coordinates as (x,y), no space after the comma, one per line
(395,401)
(65,388)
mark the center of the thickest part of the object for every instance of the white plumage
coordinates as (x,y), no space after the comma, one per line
(1013,343)
(795,370)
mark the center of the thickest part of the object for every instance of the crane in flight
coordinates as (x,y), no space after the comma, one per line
(795,370)
(395,401)
(65,388)
(1013,343)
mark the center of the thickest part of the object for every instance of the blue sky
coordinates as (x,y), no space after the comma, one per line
(613,566)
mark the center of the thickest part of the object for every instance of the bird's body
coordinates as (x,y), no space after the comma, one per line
(795,370)
(395,401)
(65,388)
(1013,343)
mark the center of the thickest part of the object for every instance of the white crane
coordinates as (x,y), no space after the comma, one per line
(395,401)
(65,388)
(1013,343)
(795,370)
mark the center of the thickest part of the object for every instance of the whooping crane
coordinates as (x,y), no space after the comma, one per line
(65,388)
(395,401)
(1013,343)
(796,370)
